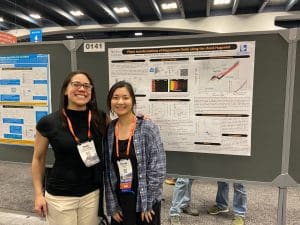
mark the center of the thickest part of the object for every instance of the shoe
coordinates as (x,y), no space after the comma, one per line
(175,220)
(190,211)
(170,181)
(214,210)
(238,220)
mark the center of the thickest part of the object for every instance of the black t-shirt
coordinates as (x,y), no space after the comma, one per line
(69,176)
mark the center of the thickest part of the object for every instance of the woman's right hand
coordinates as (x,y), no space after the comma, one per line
(40,206)
(38,167)
(118,216)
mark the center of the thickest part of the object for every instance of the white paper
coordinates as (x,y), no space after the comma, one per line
(200,95)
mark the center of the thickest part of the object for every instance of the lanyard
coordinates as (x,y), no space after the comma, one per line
(132,127)
(71,127)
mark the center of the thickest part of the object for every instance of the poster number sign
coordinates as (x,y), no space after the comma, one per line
(94,47)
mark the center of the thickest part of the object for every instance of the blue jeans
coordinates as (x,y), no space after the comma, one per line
(239,198)
(181,195)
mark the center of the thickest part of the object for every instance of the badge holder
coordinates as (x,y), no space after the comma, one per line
(125,171)
(88,153)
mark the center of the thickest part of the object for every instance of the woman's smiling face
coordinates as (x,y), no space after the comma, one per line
(121,102)
(78,92)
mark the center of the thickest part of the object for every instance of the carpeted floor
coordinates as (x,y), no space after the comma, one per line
(16,193)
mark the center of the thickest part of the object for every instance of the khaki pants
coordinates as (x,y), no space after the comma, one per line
(64,210)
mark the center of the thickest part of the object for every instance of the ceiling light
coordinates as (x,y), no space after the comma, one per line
(69,36)
(35,16)
(76,13)
(171,5)
(121,10)
(1,19)
(138,34)
(222,2)
(277,2)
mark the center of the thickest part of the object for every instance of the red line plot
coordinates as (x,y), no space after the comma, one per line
(224,73)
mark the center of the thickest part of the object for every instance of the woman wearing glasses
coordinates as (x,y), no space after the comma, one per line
(135,163)
(75,134)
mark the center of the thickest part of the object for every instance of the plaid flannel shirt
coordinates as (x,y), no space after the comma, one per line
(151,161)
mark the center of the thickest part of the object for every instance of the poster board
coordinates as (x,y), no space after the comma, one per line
(24,96)
(199,95)
(60,66)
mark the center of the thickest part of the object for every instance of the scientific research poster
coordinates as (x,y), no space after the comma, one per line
(200,95)
(24,96)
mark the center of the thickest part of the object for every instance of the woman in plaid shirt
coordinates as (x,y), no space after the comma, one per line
(135,162)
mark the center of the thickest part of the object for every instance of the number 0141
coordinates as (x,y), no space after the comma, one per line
(94,47)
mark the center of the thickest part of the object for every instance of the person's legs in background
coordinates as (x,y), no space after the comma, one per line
(222,195)
(181,200)
(185,207)
(239,204)
(221,199)
(181,196)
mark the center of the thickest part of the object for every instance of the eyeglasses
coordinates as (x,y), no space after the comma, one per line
(78,85)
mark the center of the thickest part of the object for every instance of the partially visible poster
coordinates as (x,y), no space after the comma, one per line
(24,96)
(200,95)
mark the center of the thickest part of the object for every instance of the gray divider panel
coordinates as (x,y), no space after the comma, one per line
(60,64)
(95,63)
(294,166)
(264,164)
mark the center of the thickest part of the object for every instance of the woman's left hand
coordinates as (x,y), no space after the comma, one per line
(147,215)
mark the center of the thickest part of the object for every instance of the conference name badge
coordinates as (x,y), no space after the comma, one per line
(125,171)
(88,153)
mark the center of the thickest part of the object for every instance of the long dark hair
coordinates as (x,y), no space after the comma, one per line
(117,85)
(99,121)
